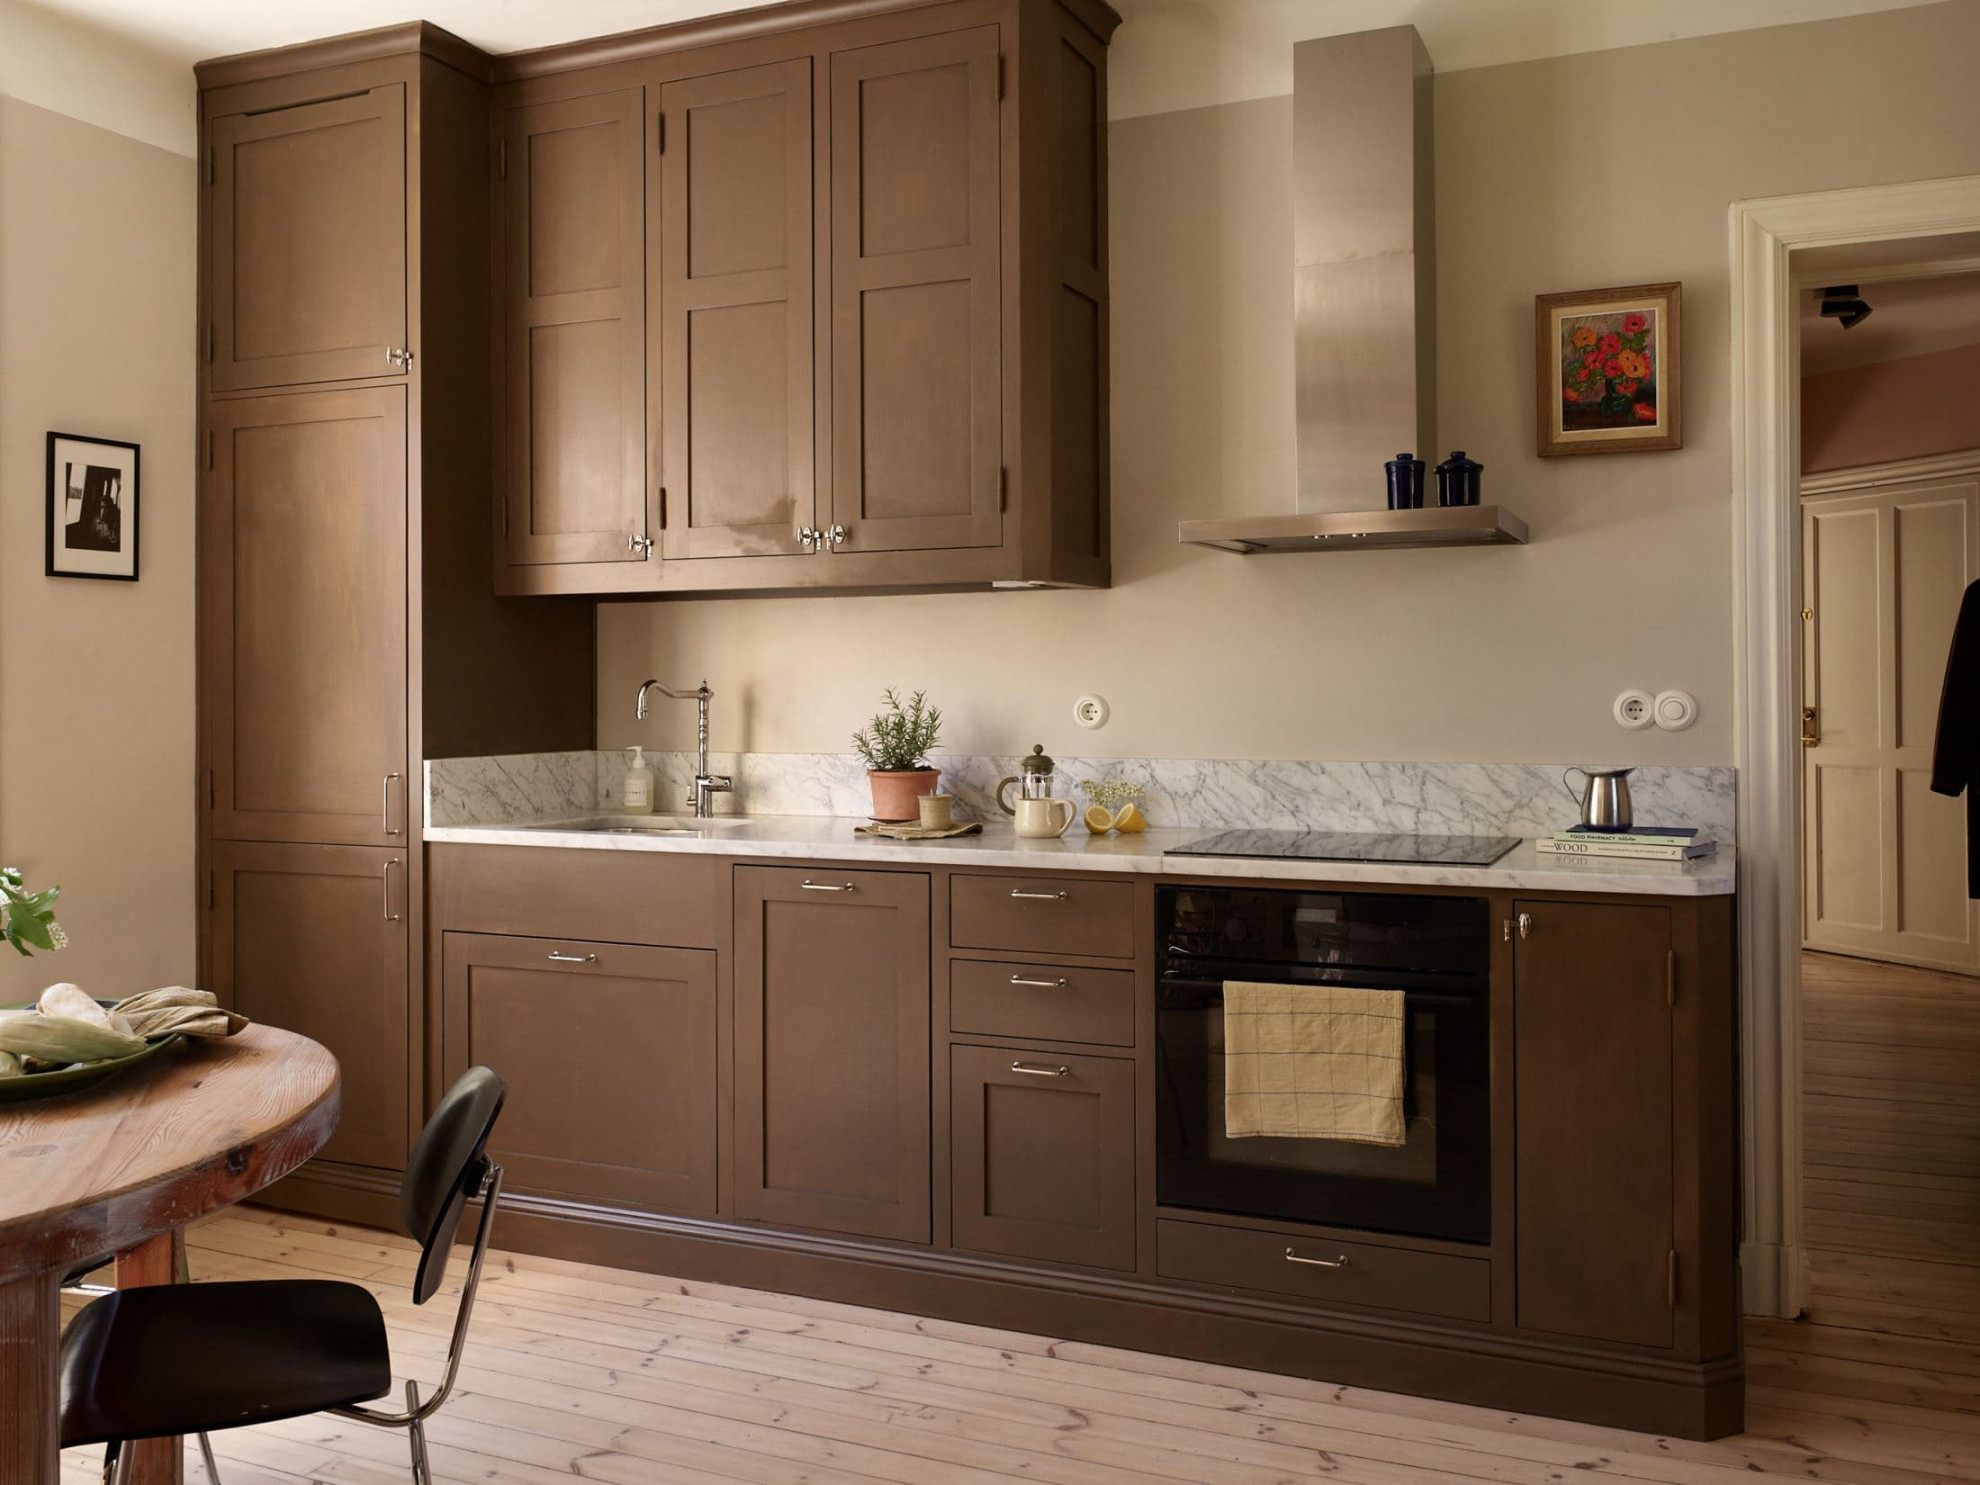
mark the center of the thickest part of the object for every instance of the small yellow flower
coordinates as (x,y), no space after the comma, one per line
(1632,364)
(1584,336)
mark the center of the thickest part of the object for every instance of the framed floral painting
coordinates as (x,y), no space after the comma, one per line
(1609,368)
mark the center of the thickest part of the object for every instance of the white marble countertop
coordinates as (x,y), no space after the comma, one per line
(831,838)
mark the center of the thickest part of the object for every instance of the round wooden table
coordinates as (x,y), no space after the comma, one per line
(121,1168)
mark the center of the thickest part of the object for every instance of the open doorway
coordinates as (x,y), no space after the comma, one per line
(1889,498)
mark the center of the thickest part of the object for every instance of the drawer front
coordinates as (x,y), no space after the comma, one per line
(1044,1155)
(1049,1002)
(625,897)
(1042,915)
(1332,1273)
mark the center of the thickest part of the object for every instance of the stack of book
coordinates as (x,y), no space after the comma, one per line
(1639,842)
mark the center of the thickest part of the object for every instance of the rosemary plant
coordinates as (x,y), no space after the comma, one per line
(900,738)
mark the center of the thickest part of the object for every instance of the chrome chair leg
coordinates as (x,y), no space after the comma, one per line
(206,1457)
(110,1452)
(416,1438)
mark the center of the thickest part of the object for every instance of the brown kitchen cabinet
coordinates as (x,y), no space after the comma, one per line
(917,350)
(303,617)
(832,1050)
(313,939)
(610,1055)
(1595,1231)
(307,237)
(573,464)
(1043,1155)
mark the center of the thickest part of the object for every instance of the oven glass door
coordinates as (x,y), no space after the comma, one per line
(1436,951)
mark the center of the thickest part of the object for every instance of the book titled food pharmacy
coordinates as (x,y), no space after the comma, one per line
(1640,843)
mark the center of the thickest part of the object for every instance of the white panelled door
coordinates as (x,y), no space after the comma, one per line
(1884,566)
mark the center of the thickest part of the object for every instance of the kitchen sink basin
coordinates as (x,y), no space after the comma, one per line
(641,824)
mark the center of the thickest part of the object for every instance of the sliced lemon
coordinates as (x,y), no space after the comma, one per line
(1099,820)
(1130,821)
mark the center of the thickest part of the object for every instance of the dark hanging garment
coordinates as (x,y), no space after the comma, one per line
(1956,748)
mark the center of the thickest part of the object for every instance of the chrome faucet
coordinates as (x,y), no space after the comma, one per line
(706,785)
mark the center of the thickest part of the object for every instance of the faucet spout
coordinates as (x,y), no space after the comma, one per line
(706,785)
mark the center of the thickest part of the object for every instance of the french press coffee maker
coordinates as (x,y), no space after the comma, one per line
(1038,812)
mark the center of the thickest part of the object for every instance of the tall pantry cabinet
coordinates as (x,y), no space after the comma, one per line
(346,627)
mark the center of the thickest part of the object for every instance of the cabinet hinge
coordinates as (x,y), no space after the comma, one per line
(209,448)
(209,164)
(1670,977)
(661,501)
(209,788)
(1000,74)
(505,518)
(209,342)
(659,134)
(502,159)
(209,887)
(1671,1287)
(1003,488)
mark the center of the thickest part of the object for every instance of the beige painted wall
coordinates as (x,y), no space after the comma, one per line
(1889,410)
(96,678)
(1582,172)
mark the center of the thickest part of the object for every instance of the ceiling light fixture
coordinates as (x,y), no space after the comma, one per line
(1843,303)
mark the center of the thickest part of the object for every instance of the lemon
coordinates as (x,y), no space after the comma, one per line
(1098,820)
(1130,821)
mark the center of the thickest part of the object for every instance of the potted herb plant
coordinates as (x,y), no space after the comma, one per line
(895,746)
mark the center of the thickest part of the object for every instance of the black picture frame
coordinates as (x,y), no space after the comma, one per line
(107,545)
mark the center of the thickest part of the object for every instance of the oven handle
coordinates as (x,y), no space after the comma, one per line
(1418,997)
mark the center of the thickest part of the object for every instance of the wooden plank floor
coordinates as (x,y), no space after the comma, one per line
(1891,1107)
(579,1372)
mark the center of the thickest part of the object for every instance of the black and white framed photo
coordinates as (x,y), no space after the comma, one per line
(92,507)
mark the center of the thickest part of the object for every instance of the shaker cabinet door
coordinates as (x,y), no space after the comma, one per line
(1595,1219)
(832,1051)
(313,939)
(572,290)
(307,227)
(734,304)
(917,351)
(303,631)
(609,1052)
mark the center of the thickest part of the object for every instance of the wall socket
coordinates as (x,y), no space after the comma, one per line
(1091,711)
(1634,710)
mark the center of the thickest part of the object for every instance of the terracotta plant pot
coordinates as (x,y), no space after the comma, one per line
(897,794)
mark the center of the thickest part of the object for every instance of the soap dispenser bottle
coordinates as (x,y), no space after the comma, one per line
(636,793)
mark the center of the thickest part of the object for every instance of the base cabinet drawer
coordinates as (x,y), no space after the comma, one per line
(1042,915)
(1325,1270)
(1044,1155)
(610,1055)
(621,897)
(1043,1002)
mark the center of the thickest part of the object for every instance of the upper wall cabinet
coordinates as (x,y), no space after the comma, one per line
(875,298)
(307,234)
(573,415)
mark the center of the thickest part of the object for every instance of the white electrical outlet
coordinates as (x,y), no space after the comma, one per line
(1675,710)
(1634,710)
(1091,711)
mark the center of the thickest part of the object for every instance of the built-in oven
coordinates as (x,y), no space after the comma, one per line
(1435,950)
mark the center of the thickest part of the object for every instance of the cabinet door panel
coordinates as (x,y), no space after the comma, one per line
(1595,1210)
(735,309)
(832,1081)
(573,307)
(609,1052)
(313,939)
(1044,1155)
(916,339)
(308,234)
(304,631)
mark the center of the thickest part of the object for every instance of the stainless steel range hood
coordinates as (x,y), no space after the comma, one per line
(1364,304)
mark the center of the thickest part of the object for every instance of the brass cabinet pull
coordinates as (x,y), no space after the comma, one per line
(385,876)
(1023,896)
(557,958)
(1034,1070)
(385,803)
(1058,984)
(1341,1262)
(811,886)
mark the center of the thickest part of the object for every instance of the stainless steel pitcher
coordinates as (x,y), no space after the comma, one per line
(1604,797)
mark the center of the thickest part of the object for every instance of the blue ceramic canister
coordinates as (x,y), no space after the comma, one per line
(1458,480)
(1405,482)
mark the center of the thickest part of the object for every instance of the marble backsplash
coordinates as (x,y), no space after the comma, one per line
(1523,799)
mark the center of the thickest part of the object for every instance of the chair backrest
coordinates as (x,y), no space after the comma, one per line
(447,1168)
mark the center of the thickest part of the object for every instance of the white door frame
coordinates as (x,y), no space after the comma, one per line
(1777,243)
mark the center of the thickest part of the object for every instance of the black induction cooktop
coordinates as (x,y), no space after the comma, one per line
(1343,845)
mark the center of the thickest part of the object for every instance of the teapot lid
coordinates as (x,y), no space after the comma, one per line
(1037,762)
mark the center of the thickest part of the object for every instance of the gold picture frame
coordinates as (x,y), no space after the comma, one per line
(1608,371)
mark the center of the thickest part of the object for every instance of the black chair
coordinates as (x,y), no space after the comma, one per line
(175,1359)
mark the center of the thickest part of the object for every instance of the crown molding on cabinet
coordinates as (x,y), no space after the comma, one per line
(341,51)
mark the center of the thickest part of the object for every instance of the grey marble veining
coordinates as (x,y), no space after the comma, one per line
(1519,799)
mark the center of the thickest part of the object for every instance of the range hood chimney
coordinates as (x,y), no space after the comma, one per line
(1364,302)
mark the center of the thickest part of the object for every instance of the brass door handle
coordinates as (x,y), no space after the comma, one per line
(1811,729)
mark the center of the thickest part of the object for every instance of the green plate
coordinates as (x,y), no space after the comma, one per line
(74,1079)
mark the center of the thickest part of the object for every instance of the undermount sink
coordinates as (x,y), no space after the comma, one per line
(641,824)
